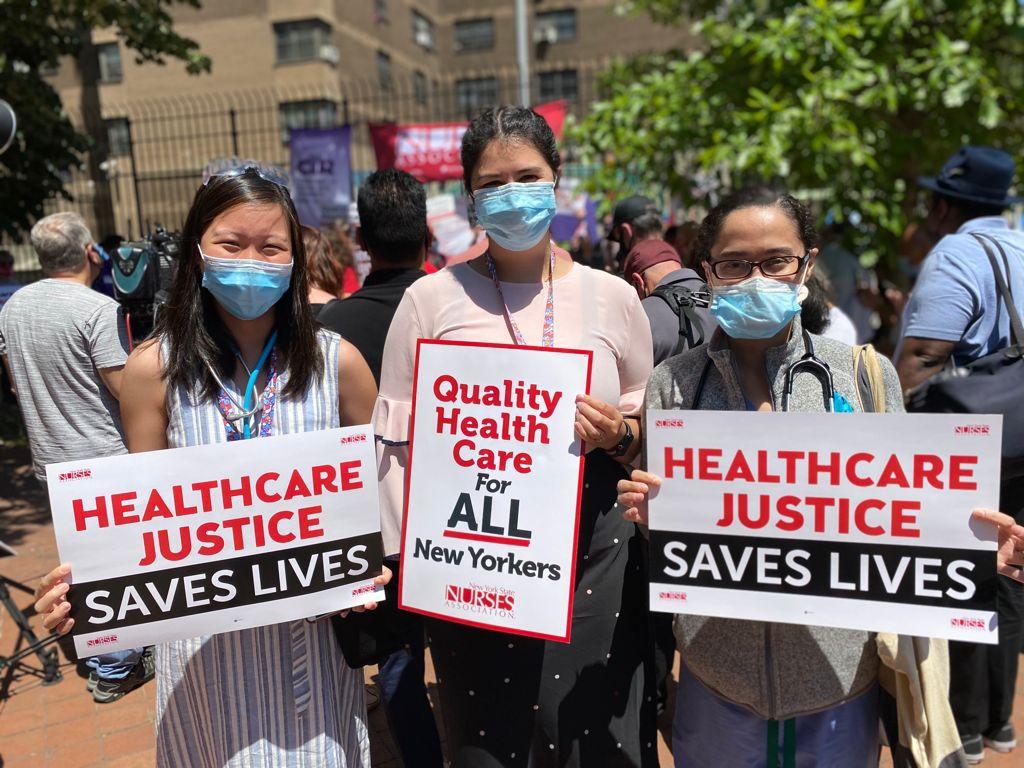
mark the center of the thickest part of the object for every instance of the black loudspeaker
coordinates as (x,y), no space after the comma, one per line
(8,126)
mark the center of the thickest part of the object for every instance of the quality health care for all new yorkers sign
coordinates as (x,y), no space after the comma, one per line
(860,521)
(494,484)
(194,541)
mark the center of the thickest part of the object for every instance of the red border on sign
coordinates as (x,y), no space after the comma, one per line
(571,578)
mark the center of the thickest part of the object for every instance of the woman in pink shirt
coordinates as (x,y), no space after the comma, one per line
(510,700)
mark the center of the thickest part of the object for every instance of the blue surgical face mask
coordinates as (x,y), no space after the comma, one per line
(245,287)
(757,308)
(516,216)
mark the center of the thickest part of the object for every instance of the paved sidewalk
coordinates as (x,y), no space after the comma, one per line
(60,726)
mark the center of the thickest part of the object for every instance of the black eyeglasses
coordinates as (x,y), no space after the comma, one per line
(776,266)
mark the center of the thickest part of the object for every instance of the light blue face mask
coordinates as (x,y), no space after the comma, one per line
(245,287)
(516,216)
(758,308)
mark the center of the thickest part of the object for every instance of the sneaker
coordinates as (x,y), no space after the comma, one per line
(974,748)
(90,684)
(107,691)
(1002,739)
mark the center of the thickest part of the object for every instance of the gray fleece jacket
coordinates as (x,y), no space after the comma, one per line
(776,670)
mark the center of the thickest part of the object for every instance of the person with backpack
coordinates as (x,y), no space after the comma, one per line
(966,307)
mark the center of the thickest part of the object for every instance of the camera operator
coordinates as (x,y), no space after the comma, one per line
(65,348)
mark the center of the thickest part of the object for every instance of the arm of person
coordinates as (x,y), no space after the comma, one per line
(359,393)
(111,378)
(7,367)
(144,400)
(920,359)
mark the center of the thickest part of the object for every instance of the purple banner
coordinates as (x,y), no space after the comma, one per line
(321,174)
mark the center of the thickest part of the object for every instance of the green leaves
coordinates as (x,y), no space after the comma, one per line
(850,98)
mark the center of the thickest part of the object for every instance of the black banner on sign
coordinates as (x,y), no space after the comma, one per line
(892,573)
(191,590)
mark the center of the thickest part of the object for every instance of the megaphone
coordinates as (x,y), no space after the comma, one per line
(8,126)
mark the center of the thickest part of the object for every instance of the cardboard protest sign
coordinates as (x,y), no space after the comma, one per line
(494,485)
(859,521)
(195,541)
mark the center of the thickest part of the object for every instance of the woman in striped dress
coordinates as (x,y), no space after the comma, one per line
(238,323)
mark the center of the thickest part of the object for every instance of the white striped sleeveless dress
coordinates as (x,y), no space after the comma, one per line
(272,697)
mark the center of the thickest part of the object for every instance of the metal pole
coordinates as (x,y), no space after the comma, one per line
(523,52)
(135,175)
(232,116)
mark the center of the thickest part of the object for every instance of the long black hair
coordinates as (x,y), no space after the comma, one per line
(507,123)
(755,197)
(190,323)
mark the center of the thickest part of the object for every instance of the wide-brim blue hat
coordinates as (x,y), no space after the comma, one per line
(978,174)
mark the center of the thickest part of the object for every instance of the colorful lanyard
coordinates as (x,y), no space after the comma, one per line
(232,411)
(548,335)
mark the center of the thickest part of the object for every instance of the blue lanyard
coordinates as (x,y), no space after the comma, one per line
(250,387)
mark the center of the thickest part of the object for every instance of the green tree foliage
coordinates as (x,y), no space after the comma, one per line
(36,34)
(847,99)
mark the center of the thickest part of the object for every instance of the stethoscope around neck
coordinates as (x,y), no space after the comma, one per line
(245,413)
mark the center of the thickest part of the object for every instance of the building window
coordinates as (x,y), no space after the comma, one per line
(380,11)
(474,35)
(422,31)
(109,55)
(555,26)
(419,87)
(384,70)
(477,93)
(301,40)
(560,84)
(316,113)
(118,141)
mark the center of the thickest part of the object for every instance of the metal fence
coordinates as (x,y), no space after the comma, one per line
(153,152)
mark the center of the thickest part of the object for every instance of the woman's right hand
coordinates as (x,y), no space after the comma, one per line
(52,600)
(633,495)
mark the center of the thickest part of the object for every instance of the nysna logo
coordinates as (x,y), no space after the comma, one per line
(672,595)
(105,640)
(480,599)
(78,474)
(364,589)
(971,429)
(677,423)
(966,622)
(352,439)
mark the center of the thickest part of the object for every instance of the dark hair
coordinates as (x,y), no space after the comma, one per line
(755,197)
(646,225)
(393,215)
(190,324)
(507,123)
(968,209)
(341,244)
(325,271)
(814,311)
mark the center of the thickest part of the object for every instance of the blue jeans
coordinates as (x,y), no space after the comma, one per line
(115,666)
(410,718)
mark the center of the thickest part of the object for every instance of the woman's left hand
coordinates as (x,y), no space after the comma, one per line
(598,423)
(380,581)
(1010,554)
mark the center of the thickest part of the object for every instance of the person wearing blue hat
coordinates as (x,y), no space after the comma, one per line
(954,312)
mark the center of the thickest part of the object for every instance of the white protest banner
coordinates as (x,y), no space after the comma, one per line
(494,485)
(858,521)
(195,541)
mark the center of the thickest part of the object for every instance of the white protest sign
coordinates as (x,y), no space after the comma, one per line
(858,521)
(200,540)
(494,486)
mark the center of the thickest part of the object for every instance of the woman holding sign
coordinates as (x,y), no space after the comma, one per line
(511,700)
(236,356)
(741,680)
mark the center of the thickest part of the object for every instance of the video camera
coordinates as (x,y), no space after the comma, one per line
(143,271)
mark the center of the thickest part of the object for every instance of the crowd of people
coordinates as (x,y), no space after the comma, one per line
(703,317)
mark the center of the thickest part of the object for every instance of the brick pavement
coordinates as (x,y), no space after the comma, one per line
(60,726)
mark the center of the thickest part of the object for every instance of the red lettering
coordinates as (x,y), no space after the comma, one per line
(851,470)
(261,488)
(350,475)
(212,544)
(296,487)
(82,514)
(156,507)
(122,508)
(309,522)
(893,474)
(459,446)
(273,527)
(927,467)
(684,463)
(861,517)
(903,522)
(961,473)
(739,469)
(324,479)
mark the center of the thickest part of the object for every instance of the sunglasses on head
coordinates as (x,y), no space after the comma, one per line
(234,167)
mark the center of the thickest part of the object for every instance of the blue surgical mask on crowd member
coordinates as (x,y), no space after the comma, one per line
(516,216)
(245,287)
(757,308)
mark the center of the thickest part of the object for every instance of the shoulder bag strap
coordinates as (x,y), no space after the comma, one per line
(1016,327)
(870,379)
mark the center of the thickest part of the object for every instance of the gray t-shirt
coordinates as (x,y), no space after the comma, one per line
(57,335)
(665,322)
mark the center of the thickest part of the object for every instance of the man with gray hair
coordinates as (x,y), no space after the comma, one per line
(65,347)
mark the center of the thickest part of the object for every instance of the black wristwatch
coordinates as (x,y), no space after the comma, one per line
(620,448)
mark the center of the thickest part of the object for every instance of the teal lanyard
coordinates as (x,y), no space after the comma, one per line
(250,387)
(788,744)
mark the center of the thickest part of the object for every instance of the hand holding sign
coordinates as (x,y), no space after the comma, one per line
(52,600)
(633,495)
(1010,555)
(597,422)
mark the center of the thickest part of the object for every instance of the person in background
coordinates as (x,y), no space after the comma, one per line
(325,272)
(523,701)
(344,251)
(955,312)
(821,316)
(65,348)
(8,285)
(393,230)
(634,219)
(683,237)
(849,280)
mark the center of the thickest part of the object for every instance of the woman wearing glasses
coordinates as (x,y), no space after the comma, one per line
(237,356)
(740,679)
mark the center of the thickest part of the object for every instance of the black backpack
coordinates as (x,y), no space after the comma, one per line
(684,303)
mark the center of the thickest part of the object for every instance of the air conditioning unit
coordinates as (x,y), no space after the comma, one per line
(424,38)
(546,34)
(330,54)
